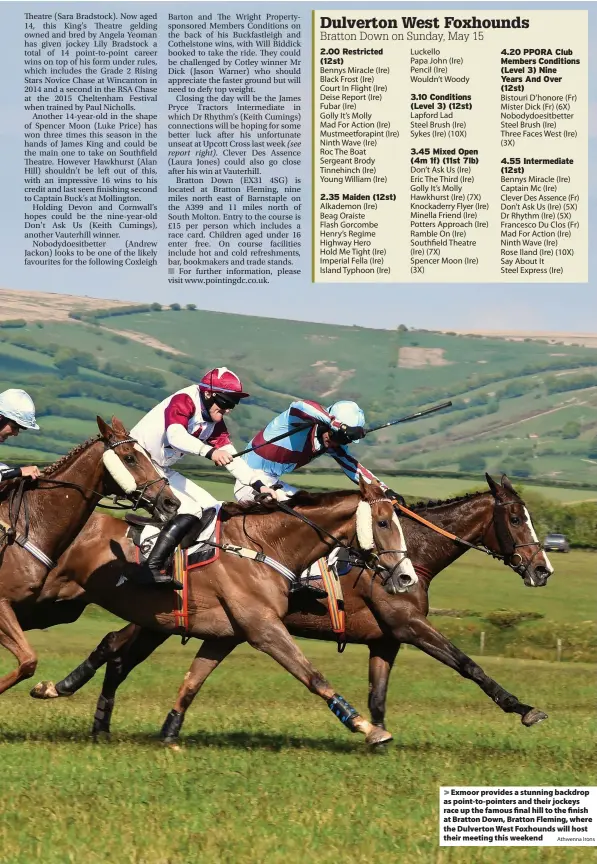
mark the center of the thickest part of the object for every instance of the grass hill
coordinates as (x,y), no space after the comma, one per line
(523,405)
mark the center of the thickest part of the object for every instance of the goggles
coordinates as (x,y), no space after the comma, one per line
(225,401)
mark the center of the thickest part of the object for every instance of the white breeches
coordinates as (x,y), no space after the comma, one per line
(245,493)
(193,499)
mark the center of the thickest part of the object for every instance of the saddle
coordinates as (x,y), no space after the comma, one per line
(196,547)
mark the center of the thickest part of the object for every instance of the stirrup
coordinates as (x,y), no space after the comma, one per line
(163,580)
(305,589)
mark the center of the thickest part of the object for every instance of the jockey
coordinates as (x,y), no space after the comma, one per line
(333,428)
(17,412)
(191,422)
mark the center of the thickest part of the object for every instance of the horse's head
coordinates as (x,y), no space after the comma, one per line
(130,470)
(380,536)
(515,537)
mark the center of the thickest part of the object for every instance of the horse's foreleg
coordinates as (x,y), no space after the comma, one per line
(271,637)
(13,639)
(118,667)
(382,655)
(209,656)
(110,646)
(421,633)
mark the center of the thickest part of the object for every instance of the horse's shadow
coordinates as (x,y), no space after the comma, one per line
(198,740)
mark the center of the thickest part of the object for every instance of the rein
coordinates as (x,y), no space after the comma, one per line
(17,499)
(368,561)
(479,547)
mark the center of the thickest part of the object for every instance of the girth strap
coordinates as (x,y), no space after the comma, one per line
(242,552)
(24,543)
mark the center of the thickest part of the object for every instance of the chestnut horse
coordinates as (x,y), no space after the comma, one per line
(496,522)
(235,600)
(42,517)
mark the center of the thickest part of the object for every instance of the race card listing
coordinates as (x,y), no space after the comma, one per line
(518,816)
(450,146)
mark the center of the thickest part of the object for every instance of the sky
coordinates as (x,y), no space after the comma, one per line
(556,307)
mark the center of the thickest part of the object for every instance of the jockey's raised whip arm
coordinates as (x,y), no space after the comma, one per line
(425,411)
(298,428)
(301,426)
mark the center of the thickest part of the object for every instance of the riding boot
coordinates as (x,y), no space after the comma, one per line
(167,541)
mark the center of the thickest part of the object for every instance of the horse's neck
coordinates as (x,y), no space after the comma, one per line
(60,512)
(467,519)
(294,543)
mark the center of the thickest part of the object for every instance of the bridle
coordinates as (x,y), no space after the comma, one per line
(507,558)
(17,500)
(502,531)
(138,496)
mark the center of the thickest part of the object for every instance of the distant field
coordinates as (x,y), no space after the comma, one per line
(506,410)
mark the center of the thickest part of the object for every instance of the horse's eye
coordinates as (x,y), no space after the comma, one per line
(515,520)
(130,459)
(383,523)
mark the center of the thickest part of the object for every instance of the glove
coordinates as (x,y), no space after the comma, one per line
(346,434)
(389,493)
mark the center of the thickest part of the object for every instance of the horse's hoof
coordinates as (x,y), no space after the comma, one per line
(44,690)
(377,737)
(171,744)
(100,736)
(533,716)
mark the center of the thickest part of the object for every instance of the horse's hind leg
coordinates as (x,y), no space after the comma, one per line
(271,637)
(117,669)
(111,645)
(13,639)
(208,658)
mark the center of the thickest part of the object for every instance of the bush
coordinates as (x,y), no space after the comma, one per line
(13,323)
(470,463)
(504,619)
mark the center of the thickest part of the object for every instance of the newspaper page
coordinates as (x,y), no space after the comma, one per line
(237,237)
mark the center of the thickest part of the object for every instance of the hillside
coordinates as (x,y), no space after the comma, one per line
(522,403)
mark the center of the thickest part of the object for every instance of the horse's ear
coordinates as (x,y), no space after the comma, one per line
(104,428)
(495,489)
(507,485)
(118,426)
(363,486)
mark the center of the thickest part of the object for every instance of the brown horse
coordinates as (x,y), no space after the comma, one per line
(496,521)
(234,600)
(43,517)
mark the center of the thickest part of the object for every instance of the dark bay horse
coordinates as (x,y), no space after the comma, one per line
(496,521)
(234,600)
(43,517)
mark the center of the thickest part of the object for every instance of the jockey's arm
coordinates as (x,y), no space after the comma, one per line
(303,410)
(240,470)
(7,473)
(178,437)
(352,468)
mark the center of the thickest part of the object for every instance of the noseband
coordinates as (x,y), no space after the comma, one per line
(503,533)
(138,496)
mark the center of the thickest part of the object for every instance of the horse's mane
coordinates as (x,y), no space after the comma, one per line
(68,457)
(470,496)
(300,499)
(429,505)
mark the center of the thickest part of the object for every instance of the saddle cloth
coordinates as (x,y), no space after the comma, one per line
(325,572)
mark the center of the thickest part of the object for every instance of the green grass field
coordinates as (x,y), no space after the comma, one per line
(267,774)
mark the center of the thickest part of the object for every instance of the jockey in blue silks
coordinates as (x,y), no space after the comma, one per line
(331,430)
